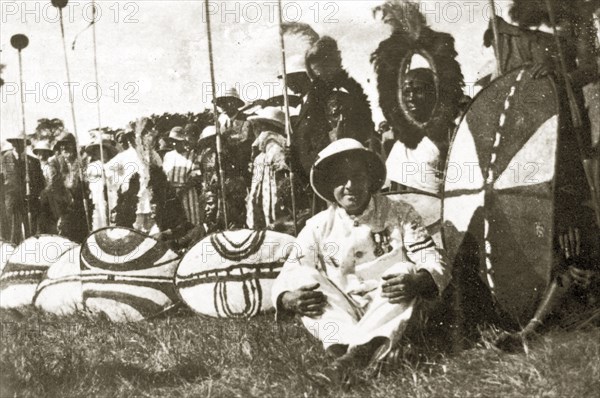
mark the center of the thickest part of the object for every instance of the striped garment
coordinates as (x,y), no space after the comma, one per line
(180,168)
(263,200)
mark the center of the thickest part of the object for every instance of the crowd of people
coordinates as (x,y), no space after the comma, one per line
(182,184)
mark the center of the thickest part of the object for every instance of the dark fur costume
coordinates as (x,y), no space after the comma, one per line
(412,35)
(311,127)
(533,13)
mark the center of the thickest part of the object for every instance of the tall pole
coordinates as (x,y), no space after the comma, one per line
(19,42)
(286,102)
(102,173)
(60,4)
(496,38)
(216,114)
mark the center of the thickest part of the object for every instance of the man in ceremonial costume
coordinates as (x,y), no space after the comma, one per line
(19,203)
(420,104)
(359,268)
(183,173)
(327,77)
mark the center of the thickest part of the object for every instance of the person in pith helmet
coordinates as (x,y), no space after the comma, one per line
(362,265)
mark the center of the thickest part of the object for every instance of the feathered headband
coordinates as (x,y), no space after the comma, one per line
(411,35)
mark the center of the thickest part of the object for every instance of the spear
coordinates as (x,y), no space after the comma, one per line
(215,110)
(102,173)
(60,4)
(590,166)
(19,42)
(286,104)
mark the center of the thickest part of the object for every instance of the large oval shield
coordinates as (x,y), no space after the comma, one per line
(127,275)
(230,274)
(60,292)
(498,200)
(26,266)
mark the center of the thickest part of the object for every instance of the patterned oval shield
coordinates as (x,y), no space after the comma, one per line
(230,274)
(26,267)
(498,201)
(127,275)
(60,292)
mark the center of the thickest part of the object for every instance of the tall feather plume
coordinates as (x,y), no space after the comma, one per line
(301,29)
(403,15)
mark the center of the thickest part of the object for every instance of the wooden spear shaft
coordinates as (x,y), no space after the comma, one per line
(216,115)
(102,173)
(72,101)
(286,102)
(24,154)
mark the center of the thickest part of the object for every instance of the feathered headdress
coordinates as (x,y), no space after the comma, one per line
(411,35)
(321,48)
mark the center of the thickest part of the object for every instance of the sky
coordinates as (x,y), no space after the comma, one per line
(153,54)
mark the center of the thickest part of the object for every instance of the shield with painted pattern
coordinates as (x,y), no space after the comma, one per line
(61,292)
(499,200)
(127,275)
(230,274)
(26,266)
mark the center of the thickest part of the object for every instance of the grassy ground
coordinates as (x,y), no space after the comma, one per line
(189,356)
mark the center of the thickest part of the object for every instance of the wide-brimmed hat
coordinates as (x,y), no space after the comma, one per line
(108,145)
(64,137)
(230,96)
(323,170)
(177,134)
(295,64)
(209,131)
(42,146)
(18,137)
(270,115)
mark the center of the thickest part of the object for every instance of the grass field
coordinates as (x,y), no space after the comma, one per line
(189,356)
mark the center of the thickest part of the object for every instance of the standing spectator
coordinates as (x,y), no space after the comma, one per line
(183,172)
(18,202)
